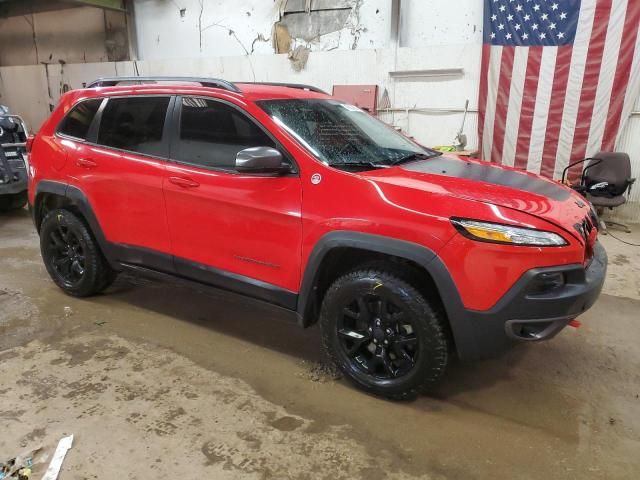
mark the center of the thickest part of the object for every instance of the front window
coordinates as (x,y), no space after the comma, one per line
(342,135)
(212,133)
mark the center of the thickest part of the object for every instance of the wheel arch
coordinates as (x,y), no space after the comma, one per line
(51,195)
(341,249)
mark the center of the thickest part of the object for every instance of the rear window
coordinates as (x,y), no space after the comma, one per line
(77,122)
(134,124)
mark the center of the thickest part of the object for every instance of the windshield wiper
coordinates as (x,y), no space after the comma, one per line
(415,156)
(358,164)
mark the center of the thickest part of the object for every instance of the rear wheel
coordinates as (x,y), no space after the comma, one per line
(72,256)
(383,334)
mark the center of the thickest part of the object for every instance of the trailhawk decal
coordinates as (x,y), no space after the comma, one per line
(452,167)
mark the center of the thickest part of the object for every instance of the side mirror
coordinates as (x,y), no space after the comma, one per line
(264,160)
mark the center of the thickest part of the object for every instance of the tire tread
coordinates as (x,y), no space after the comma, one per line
(100,274)
(432,316)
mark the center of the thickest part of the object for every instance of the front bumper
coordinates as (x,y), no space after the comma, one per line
(525,313)
(13,187)
(13,174)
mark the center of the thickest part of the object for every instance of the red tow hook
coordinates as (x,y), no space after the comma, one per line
(575,323)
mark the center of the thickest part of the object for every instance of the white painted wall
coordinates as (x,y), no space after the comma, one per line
(440,34)
(203,31)
(441,22)
(211,37)
(203,28)
(24,89)
(20,85)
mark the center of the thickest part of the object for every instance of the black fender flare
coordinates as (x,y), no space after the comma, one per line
(45,186)
(422,256)
(79,200)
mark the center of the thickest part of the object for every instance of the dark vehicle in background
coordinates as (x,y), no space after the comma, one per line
(13,161)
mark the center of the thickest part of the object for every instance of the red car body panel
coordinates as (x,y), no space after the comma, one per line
(242,224)
(266,228)
(131,212)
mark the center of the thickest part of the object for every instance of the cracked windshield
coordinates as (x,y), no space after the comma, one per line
(342,135)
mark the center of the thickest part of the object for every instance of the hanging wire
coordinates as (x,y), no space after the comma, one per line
(623,241)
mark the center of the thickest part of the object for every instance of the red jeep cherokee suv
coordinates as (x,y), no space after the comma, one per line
(285,194)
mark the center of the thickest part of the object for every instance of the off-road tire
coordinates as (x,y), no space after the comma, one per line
(97,274)
(429,326)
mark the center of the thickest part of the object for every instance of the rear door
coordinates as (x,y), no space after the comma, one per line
(240,231)
(73,134)
(121,169)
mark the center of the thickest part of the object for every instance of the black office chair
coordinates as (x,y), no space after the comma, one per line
(605,181)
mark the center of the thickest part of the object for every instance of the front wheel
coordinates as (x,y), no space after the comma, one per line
(72,256)
(383,334)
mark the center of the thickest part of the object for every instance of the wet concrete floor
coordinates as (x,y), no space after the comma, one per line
(157,380)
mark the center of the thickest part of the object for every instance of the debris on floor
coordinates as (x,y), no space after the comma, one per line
(63,447)
(24,473)
(320,372)
(20,466)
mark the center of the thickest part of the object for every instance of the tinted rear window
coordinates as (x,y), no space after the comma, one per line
(134,124)
(77,122)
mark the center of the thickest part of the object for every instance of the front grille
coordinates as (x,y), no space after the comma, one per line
(12,166)
(16,163)
(586,230)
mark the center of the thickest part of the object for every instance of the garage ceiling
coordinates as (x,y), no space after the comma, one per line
(12,8)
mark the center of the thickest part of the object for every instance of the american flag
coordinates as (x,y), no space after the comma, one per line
(558,80)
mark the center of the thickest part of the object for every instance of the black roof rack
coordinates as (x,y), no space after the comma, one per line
(205,82)
(300,86)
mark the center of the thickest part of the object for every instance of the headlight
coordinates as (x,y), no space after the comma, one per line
(498,233)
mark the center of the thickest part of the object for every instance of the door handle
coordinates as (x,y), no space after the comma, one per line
(86,163)
(184,182)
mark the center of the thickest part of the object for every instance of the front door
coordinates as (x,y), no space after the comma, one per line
(238,231)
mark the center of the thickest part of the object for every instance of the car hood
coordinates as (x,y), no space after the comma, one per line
(493,184)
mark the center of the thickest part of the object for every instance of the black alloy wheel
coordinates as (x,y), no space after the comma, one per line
(383,334)
(379,336)
(72,256)
(67,255)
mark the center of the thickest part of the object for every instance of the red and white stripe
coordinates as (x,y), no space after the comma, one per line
(542,108)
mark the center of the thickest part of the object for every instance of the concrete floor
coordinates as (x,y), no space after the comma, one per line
(159,381)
